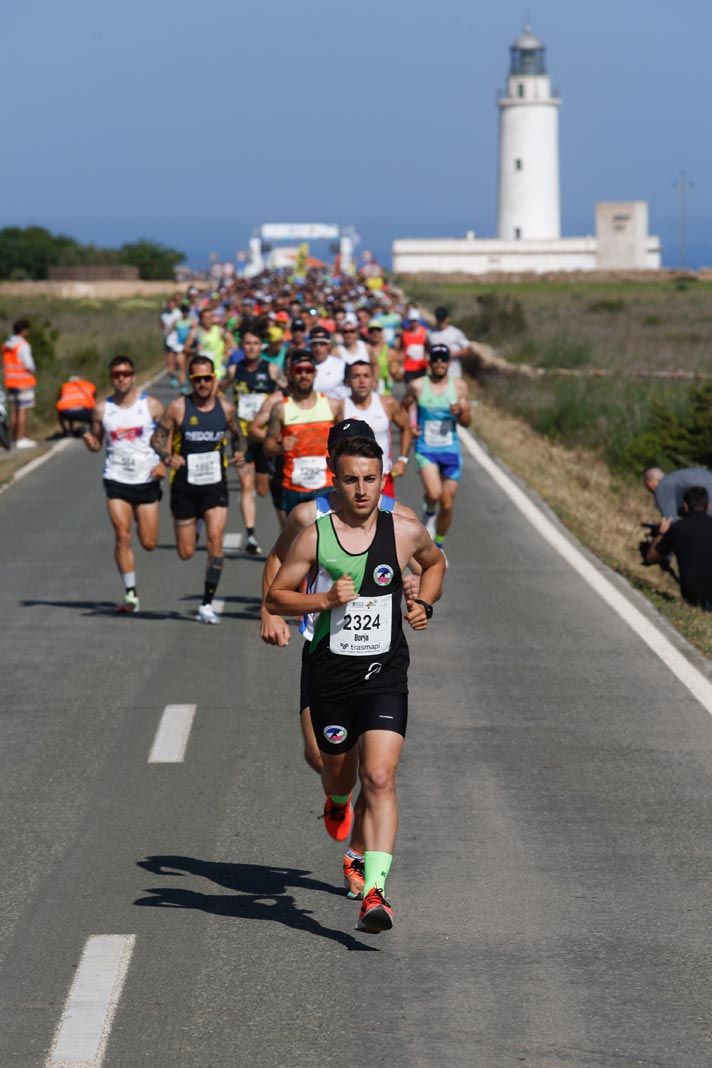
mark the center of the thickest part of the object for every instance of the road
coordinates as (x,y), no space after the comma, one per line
(552,875)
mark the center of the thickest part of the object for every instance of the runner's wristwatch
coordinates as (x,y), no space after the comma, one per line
(428,607)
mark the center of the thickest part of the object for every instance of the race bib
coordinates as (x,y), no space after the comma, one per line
(204,468)
(415,352)
(309,472)
(248,405)
(127,462)
(362,627)
(439,433)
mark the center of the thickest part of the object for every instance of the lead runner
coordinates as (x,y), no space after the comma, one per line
(358,658)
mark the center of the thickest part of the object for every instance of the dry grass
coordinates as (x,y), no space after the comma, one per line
(603,512)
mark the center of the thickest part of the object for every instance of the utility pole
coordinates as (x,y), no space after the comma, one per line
(683,186)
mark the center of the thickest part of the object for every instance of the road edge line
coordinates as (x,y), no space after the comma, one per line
(684,670)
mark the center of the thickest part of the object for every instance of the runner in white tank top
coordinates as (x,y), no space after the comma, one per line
(379,411)
(127,433)
(132,470)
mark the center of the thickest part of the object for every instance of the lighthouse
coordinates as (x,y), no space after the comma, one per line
(528,147)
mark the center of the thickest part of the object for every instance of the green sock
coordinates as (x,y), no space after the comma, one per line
(339,799)
(439,539)
(376,868)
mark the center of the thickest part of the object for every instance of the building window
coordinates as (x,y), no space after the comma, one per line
(520,89)
(517,233)
(518,164)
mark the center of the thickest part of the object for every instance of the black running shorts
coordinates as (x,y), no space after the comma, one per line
(338,725)
(192,502)
(143,493)
(256,455)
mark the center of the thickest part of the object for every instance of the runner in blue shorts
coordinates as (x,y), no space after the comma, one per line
(443,403)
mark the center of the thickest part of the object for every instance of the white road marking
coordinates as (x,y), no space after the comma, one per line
(232,542)
(83,1031)
(698,685)
(172,735)
(21,472)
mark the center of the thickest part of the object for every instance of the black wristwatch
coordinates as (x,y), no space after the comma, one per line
(428,607)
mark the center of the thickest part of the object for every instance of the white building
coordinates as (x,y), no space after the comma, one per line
(529,219)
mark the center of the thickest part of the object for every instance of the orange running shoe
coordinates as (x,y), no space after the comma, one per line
(376,914)
(353,876)
(338,819)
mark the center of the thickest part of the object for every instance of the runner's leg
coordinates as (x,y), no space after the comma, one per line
(246,474)
(147,518)
(185,537)
(447,503)
(215,521)
(121,514)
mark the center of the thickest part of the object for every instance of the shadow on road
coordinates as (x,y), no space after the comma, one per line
(256,885)
(104,608)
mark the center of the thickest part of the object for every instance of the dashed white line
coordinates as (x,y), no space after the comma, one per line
(83,1031)
(233,542)
(172,735)
(699,686)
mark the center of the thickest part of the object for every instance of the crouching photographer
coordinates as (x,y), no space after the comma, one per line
(690,541)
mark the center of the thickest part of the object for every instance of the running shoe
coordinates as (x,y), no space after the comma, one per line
(353,876)
(252,547)
(428,520)
(376,914)
(129,604)
(25,443)
(338,819)
(207,614)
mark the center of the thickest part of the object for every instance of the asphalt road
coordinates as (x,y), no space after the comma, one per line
(552,875)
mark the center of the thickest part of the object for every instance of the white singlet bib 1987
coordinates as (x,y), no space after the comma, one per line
(204,468)
(362,627)
(248,405)
(438,433)
(309,471)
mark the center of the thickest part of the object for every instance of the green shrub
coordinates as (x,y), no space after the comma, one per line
(498,318)
(609,305)
(564,352)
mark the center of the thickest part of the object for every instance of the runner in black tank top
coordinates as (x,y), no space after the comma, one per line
(359,657)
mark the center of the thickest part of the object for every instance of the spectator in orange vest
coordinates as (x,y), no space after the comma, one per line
(19,374)
(75,403)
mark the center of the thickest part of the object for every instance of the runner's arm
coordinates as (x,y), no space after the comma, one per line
(284,596)
(399,417)
(273,444)
(257,430)
(463,409)
(95,435)
(273,629)
(162,436)
(337,409)
(239,443)
(432,562)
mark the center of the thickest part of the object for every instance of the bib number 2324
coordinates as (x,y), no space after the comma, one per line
(362,627)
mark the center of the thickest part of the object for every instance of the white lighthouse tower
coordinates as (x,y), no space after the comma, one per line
(528,147)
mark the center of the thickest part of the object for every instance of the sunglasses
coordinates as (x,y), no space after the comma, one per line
(319,343)
(202,378)
(349,330)
(304,370)
(122,374)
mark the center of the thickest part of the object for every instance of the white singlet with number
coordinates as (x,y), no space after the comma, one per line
(204,468)
(362,627)
(309,472)
(127,433)
(439,433)
(249,404)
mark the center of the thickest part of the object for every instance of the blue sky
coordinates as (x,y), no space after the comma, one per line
(191,124)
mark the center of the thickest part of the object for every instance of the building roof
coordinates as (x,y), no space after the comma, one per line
(527,41)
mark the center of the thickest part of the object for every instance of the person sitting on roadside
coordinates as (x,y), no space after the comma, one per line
(690,541)
(76,402)
(669,490)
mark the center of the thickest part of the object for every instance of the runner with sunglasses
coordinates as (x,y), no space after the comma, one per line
(299,429)
(443,403)
(197,427)
(132,471)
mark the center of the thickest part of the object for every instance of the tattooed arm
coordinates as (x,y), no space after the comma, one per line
(273,443)
(239,444)
(162,436)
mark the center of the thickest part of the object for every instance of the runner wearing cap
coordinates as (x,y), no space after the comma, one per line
(444,333)
(330,369)
(274,629)
(209,338)
(442,404)
(358,658)
(352,347)
(299,429)
(379,412)
(381,356)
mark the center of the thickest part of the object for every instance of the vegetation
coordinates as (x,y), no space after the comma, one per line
(80,337)
(28,253)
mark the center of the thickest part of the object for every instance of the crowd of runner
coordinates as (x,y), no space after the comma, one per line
(300,385)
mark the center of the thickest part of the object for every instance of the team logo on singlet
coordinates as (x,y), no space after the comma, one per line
(193,420)
(383,574)
(335,734)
